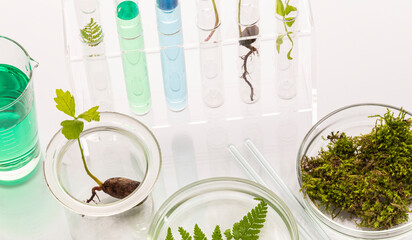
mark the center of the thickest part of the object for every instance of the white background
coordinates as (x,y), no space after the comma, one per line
(364,52)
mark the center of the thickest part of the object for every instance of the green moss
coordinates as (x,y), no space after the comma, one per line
(368,176)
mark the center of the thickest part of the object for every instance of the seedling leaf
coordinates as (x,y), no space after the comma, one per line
(290,9)
(290,21)
(280,8)
(289,54)
(91,115)
(65,102)
(72,128)
(279,41)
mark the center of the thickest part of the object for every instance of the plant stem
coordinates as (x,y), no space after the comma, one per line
(216,21)
(238,17)
(86,168)
(287,32)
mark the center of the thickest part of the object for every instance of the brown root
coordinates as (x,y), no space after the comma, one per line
(247,43)
(98,188)
(252,50)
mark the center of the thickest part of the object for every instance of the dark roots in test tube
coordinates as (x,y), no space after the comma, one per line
(247,43)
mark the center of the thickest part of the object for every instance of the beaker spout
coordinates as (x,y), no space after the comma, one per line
(34,63)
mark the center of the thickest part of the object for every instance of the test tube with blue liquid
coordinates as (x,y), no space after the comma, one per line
(131,41)
(172,53)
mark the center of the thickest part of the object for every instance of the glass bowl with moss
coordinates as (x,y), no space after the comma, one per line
(218,208)
(354,168)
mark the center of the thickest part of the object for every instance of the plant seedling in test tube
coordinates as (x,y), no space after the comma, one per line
(247,43)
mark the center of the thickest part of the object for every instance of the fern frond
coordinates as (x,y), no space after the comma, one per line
(198,234)
(92,33)
(228,234)
(185,235)
(169,235)
(217,234)
(249,227)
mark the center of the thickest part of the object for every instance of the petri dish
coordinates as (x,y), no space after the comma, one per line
(354,120)
(221,201)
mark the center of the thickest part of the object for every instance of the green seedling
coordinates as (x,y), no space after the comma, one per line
(117,187)
(284,10)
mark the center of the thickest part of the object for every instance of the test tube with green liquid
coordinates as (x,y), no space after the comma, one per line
(131,41)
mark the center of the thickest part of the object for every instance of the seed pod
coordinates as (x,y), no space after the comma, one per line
(119,187)
(249,32)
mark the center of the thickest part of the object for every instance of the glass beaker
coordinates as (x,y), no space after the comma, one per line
(116,146)
(19,148)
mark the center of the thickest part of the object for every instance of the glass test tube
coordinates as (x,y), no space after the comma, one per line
(172,53)
(208,22)
(248,23)
(131,41)
(95,61)
(286,57)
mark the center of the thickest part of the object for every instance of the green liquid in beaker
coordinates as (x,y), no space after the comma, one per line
(133,57)
(18,125)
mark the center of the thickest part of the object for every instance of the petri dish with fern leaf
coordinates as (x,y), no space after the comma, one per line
(223,202)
